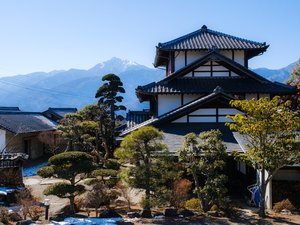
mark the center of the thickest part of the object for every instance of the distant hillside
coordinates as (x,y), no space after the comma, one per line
(73,88)
(77,88)
(280,75)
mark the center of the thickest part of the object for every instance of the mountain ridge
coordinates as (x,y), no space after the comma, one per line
(77,87)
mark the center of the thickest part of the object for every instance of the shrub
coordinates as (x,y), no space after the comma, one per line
(284,204)
(192,204)
(35,212)
(180,191)
(4,217)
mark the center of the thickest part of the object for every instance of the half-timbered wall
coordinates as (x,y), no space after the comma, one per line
(208,115)
(166,103)
(184,58)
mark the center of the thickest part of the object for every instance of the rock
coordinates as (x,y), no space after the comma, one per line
(186,213)
(171,213)
(146,213)
(121,222)
(24,222)
(213,213)
(286,212)
(133,215)
(110,213)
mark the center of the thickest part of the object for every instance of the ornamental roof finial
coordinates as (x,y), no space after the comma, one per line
(204,27)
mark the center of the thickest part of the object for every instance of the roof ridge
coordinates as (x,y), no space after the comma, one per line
(204,29)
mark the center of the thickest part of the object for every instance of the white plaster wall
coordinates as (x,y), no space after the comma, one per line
(2,139)
(223,119)
(194,55)
(250,96)
(179,60)
(189,98)
(202,74)
(208,111)
(181,120)
(228,111)
(264,96)
(226,53)
(203,119)
(239,57)
(167,103)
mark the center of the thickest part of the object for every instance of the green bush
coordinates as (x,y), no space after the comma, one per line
(284,204)
(192,204)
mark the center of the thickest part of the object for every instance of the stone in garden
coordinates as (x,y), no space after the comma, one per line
(146,213)
(110,213)
(171,213)
(24,222)
(186,213)
(133,215)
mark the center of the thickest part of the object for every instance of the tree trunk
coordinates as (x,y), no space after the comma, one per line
(197,188)
(262,207)
(72,204)
(147,181)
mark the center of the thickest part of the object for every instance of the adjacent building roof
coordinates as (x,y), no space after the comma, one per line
(25,122)
(174,134)
(206,39)
(58,113)
(9,109)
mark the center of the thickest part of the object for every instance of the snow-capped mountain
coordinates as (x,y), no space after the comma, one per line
(77,87)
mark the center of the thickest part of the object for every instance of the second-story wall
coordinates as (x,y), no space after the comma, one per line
(184,58)
(167,103)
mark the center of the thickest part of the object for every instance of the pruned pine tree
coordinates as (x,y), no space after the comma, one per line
(206,155)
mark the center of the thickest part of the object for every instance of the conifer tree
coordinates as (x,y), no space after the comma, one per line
(109,97)
(206,155)
(145,150)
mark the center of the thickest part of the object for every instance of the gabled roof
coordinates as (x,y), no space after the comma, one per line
(25,122)
(220,59)
(182,110)
(248,81)
(206,39)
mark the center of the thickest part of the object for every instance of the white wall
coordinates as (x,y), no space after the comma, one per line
(250,96)
(239,57)
(179,60)
(2,139)
(189,98)
(167,103)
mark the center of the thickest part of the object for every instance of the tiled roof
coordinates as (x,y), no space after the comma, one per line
(205,38)
(174,134)
(190,85)
(25,122)
(181,111)
(61,112)
(9,109)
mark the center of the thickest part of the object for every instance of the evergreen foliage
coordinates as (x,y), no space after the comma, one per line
(206,154)
(108,98)
(68,166)
(270,127)
(153,169)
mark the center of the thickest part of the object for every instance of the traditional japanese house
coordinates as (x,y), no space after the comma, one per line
(57,114)
(204,71)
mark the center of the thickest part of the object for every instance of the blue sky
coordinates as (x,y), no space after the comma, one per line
(61,34)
